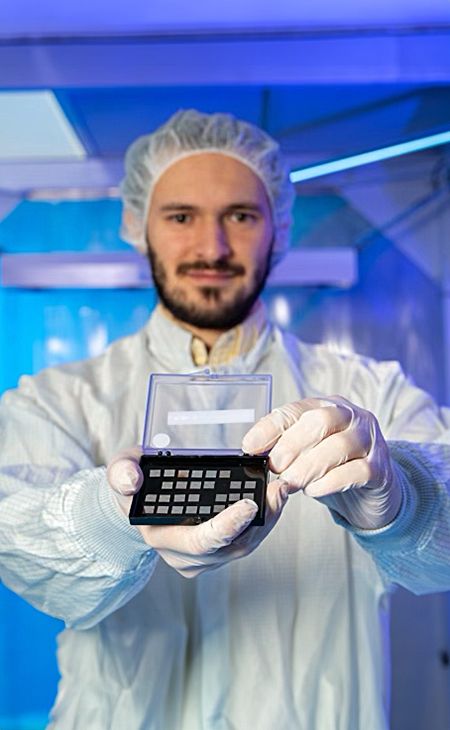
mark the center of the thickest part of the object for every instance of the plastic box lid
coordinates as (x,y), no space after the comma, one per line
(203,412)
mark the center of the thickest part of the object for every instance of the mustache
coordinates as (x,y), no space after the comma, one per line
(219,266)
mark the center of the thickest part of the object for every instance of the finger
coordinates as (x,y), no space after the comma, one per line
(276,498)
(225,527)
(313,427)
(206,538)
(266,432)
(351,475)
(124,473)
(329,454)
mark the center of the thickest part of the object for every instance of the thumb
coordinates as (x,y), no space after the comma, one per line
(124,473)
(222,529)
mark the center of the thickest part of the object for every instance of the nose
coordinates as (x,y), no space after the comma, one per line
(212,240)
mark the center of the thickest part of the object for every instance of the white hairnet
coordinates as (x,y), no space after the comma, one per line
(189,132)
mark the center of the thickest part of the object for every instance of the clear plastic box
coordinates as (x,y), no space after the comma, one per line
(192,460)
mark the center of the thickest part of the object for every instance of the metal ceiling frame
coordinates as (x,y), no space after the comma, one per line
(129,270)
(409,55)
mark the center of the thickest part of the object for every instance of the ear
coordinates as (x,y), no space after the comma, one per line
(131,230)
(130,224)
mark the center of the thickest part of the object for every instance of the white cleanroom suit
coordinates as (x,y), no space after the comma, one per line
(290,637)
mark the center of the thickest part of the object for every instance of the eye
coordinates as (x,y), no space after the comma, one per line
(240,216)
(180,217)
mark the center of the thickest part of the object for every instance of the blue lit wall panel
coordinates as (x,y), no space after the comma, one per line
(48,328)
(395,312)
(91,225)
(27,664)
(58,326)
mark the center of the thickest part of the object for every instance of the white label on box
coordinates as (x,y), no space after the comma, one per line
(191,418)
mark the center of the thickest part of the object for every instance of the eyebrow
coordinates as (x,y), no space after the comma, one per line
(168,207)
(176,206)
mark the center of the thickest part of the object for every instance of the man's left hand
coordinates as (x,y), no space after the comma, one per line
(333,451)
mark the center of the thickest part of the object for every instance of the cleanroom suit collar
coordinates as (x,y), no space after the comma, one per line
(237,350)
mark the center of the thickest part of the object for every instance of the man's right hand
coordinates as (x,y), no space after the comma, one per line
(193,549)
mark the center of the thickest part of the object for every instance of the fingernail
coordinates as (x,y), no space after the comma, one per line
(284,491)
(251,504)
(249,443)
(130,478)
(255,439)
(250,510)
(125,476)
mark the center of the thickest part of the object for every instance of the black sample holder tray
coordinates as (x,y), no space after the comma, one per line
(189,489)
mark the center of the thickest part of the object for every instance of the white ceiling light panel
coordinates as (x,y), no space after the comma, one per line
(34,127)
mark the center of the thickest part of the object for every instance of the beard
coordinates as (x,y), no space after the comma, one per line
(216,313)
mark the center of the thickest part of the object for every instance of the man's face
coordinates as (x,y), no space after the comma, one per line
(210,235)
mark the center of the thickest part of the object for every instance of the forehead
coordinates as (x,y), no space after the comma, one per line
(209,178)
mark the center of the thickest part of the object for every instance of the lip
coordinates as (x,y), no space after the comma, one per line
(211,277)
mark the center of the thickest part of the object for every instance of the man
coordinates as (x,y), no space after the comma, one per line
(282,625)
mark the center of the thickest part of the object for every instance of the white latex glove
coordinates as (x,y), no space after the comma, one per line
(192,549)
(333,451)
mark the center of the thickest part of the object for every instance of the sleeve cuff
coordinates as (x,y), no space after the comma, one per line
(102,528)
(421,498)
(399,524)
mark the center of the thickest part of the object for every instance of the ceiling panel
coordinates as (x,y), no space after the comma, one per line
(362,127)
(108,120)
(419,55)
(27,17)
(310,123)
